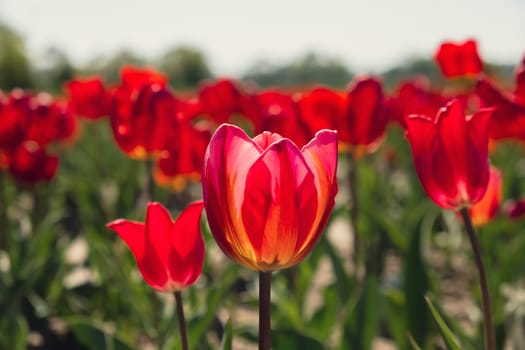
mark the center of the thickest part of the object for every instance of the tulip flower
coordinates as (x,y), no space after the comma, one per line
(220,100)
(451,154)
(365,118)
(451,158)
(514,209)
(266,200)
(487,208)
(459,59)
(277,112)
(169,253)
(29,163)
(88,97)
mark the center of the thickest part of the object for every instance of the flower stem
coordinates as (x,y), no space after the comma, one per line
(182,321)
(490,338)
(352,183)
(265,321)
(4,222)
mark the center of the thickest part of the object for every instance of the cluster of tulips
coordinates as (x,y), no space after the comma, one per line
(268,198)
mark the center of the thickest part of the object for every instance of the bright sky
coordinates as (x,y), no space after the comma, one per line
(365,34)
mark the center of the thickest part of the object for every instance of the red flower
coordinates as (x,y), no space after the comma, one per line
(459,59)
(487,208)
(414,97)
(15,116)
(451,154)
(140,120)
(276,112)
(88,97)
(169,253)
(219,100)
(323,108)
(183,158)
(29,163)
(266,201)
(366,119)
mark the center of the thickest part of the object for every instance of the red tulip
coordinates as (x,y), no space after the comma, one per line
(220,100)
(169,253)
(266,200)
(459,59)
(276,112)
(29,163)
(88,97)
(183,158)
(487,208)
(15,116)
(451,154)
(323,108)
(365,119)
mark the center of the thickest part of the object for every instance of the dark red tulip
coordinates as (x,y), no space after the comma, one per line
(169,253)
(365,118)
(459,59)
(450,154)
(15,116)
(88,97)
(29,163)
(514,209)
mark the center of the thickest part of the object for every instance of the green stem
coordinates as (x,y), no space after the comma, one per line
(488,325)
(265,320)
(354,209)
(150,184)
(182,320)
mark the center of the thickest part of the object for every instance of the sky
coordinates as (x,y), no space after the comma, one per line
(366,35)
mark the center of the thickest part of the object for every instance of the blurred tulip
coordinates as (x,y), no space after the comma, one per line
(29,163)
(88,97)
(276,112)
(266,201)
(15,116)
(323,108)
(184,156)
(220,100)
(487,208)
(169,254)
(365,119)
(514,209)
(451,154)
(459,59)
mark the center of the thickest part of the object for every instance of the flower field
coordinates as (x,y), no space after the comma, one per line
(135,216)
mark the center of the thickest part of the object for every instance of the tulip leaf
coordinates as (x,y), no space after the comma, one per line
(416,285)
(446,333)
(94,337)
(227,338)
(292,339)
(362,321)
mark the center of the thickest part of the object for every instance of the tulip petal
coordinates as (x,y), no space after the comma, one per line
(274,209)
(158,246)
(187,256)
(229,155)
(132,233)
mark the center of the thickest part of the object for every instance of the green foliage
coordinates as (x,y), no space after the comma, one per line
(15,68)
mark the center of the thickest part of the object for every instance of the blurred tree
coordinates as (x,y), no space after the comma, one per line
(184,66)
(411,68)
(15,67)
(307,70)
(109,68)
(53,70)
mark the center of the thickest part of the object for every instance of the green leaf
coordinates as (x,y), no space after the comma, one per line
(227,338)
(446,333)
(292,339)
(94,337)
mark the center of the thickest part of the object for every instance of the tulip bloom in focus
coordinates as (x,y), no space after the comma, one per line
(266,200)
(487,208)
(451,154)
(456,60)
(169,253)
